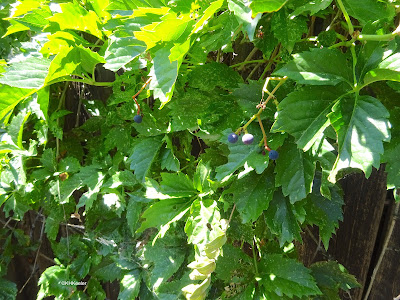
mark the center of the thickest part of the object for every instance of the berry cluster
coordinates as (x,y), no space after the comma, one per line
(248,139)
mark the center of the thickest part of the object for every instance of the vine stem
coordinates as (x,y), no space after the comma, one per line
(254,255)
(346,16)
(248,62)
(385,246)
(230,217)
(137,94)
(60,105)
(250,56)
(270,95)
(263,132)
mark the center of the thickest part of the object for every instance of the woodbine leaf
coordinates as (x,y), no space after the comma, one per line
(303,114)
(310,67)
(294,172)
(362,125)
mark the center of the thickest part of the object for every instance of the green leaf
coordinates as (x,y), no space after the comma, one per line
(27,74)
(8,289)
(262,6)
(203,225)
(95,290)
(311,68)
(122,49)
(331,277)
(388,69)
(16,128)
(233,260)
(281,219)
(244,16)
(208,76)
(48,159)
(169,160)
(252,195)
(165,257)
(238,156)
(369,11)
(73,61)
(171,28)
(392,150)
(361,124)
(143,155)
(201,177)
(248,97)
(9,98)
(93,178)
(285,276)
(303,114)
(163,74)
(208,13)
(133,211)
(76,17)
(294,172)
(163,212)
(130,285)
(51,283)
(288,30)
(177,185)
(323,212)
(313,7)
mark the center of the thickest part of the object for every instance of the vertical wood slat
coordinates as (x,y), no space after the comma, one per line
(354,243)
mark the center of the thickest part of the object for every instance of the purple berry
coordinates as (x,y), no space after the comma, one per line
(273,154)
(233,138)
(138,119)
(247,139)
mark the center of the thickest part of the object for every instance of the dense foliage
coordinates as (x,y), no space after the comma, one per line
(197,174)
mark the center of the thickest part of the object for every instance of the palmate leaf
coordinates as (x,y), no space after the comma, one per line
(27,74)
(362,125)
(392,150)
(331,277)
(77,61)
(122,50)
(143,155)
(303,114)
(130,285)
(244,15)
(165,257)
(388,69)
(9,98)
(288,30)
(8,289)
(177,185)
(313,7)
(163,75)
(76,17)
(262,6)
(310,67)
(285,276)
(163,213)
(323,212)
(294,172)
(252,195)
(208,76)
(281,219)
(369,11)
(203,225)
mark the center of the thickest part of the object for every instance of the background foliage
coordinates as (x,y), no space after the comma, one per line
(168,207)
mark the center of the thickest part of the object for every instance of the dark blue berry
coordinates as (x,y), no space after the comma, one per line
(273,154)
(137,119)
(247,139)
(233,138)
